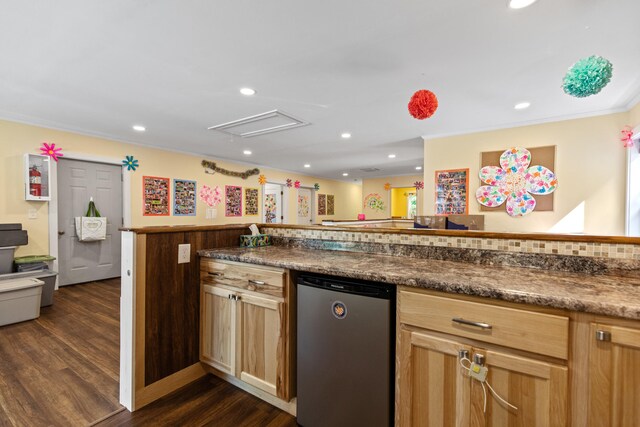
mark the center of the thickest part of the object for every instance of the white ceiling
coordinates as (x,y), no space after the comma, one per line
(98,67)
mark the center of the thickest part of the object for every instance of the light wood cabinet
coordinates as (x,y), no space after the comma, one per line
(613,375)
(433,391)
(244,325)
(218,329)
(261,344)
(537,388)
(432,387)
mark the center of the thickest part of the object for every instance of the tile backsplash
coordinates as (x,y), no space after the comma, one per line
(582,249)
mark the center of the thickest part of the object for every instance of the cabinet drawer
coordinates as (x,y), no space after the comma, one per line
(249,277)
(540,333)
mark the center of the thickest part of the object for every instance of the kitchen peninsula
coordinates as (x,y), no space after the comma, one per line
(563,313)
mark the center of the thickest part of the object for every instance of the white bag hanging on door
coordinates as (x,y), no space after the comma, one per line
(92,226)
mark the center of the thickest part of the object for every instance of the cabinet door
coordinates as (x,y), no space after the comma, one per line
(432,389)
(218,329)
(538,389)
(614,376)
(261,345)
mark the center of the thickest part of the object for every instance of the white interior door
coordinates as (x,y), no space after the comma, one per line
(78,181)
(305,206)
(272,204)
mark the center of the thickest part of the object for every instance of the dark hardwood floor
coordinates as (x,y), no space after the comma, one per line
(62,368)
(209,401)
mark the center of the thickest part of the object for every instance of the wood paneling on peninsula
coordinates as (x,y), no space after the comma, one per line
(168,305)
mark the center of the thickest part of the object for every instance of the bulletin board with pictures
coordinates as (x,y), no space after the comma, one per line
(322,204)
(184,197)
(155,193)
(452,192)
(331,205)
(233,200)
(251,201)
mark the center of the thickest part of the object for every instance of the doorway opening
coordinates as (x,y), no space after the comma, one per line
(272,203)
(306,206)
(404,202)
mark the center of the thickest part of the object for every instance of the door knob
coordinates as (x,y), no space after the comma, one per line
(60,233)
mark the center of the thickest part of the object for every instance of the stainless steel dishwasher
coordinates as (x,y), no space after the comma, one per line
(345,352)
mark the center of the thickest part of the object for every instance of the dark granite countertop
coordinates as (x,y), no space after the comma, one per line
(598,294)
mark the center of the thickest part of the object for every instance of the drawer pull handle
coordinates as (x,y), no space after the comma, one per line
(215,273)
(603,335)
(462,321)
(256,282)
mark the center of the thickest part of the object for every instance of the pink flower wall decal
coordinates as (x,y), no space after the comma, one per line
(51,150)
(514,183)
(211,197)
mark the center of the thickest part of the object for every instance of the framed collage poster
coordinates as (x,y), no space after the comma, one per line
(251,201)
(330,204)
(233,200)
(452,192)
(184,197)
(322,204)
(155,193)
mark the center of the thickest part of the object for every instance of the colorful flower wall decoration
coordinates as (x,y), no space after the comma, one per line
(211,197)
(296,184)
(262,180)
(374,202)
(627,134)
(130,163)
(316,186)
(51,150)
(419,185)
(289,182)
(423,104)
(587,77)
(387,186)
(514,183)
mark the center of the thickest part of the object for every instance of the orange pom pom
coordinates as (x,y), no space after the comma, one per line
(423,104)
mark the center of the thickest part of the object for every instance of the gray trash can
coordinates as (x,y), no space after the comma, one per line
(49,279)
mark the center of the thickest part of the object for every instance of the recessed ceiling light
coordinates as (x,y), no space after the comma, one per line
(418,168)
(139,128)
(522,105)
(392,156)
(346,135)
(247,91)
(345,174)
(307,165)
(247,152)
(520,4)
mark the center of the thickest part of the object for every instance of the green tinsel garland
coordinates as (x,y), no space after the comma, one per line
(587,77)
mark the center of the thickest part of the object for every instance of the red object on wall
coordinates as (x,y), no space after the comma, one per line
(423,104)
(35,182)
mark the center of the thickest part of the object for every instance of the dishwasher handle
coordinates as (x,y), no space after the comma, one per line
(380,291)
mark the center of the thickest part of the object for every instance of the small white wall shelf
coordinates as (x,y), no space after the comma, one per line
(37,177)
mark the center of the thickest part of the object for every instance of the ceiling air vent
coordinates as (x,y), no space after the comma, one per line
(370,170)
(260,124)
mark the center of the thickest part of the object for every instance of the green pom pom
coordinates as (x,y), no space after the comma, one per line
(587,77)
